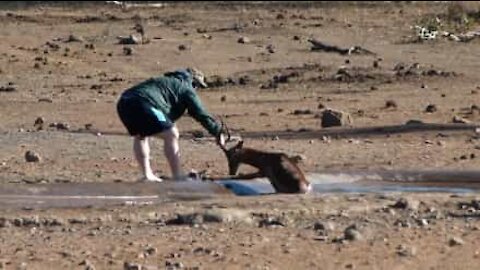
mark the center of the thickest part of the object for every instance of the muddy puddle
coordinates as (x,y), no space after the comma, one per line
(105,194)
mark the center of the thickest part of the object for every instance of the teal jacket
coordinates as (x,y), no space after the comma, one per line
(173,94)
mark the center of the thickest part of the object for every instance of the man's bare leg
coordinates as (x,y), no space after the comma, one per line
(172,151)
(141,149)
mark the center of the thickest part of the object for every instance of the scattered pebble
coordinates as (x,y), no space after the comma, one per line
(31,156)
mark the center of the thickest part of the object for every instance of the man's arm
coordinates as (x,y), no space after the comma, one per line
(198,112)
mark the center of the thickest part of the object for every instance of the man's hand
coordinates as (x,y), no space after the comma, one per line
(221,139)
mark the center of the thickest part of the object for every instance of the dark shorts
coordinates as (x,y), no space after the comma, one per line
(141,118)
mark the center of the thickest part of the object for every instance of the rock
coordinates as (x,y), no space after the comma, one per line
(459,120)
(243,40)
(223,98)
(216,81)
(183,47)
(351,233)
(31,156)
(150,250)
(405,251)
(455,241)
(73,38)
(324,228)
(270,222)
(47,100)
(404,204)
(244,80)
(60,126)
(132,266)
(88,265)
(413,122)
(193,219)
(174,265)
(296,37)
(271,49)
(10,88)
(127,51)
(197,134)
(390,104)
(5,223)
(332,118)
(129,40)
(431,108)
(228,216)
(39,123)
(302,112)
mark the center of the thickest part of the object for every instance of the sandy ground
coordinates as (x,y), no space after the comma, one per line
(76,83)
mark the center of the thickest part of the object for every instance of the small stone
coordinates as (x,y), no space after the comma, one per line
(296,37)
(150,250)
(132,266)
(324,227)
(352,234)
(31,156)
(88,265)
(127,51)
(302,112)
(404,203)
(39,123)
(129,40)
(183,47)
(390,104)
(8,88)
(5,223)
(412,122)
(270,222)
(47,100)
(431,108)
(455,241)
(271,49)
(197,134)
(332,118)
(243,40)
(405,251)
(73,38)
(223,98)
(459,120)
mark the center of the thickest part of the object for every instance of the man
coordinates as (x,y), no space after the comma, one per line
(152,107)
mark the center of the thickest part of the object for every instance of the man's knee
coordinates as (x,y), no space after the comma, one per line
(171,134)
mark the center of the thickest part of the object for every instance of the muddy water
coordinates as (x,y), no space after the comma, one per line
(375,181)
(102,194)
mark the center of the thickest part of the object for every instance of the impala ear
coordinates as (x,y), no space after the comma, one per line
(239,145)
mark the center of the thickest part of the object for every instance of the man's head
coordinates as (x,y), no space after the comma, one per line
(198,77)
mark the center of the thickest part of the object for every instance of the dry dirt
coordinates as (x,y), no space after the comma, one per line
(73,86)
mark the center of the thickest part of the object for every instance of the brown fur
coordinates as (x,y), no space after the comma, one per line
(284,175)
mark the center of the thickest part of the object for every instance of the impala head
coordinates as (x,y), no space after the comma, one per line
(232,152)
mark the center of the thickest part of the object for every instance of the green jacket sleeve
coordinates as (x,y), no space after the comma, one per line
(196,110)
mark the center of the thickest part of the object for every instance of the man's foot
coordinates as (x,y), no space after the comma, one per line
(151,178)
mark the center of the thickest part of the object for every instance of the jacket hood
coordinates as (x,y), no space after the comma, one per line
(181,74)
